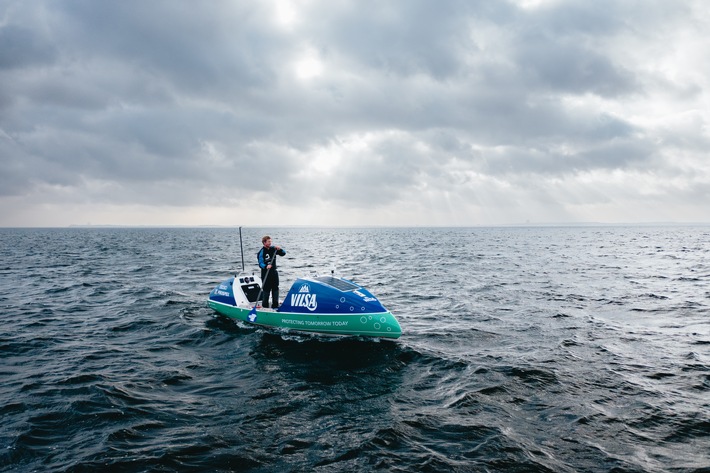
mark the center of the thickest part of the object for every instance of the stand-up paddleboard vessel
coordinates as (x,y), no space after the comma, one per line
(320,304)
(327,305)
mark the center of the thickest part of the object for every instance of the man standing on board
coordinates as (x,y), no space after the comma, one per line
(269,274)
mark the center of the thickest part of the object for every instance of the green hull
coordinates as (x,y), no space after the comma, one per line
(381,324)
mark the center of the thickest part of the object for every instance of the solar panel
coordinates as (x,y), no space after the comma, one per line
(337,283)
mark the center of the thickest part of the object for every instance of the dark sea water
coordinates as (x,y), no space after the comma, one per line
(582,349)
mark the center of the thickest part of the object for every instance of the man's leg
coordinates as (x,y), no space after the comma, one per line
(275,289)
(275,297)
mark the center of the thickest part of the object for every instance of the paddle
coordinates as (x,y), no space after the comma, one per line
(252,312)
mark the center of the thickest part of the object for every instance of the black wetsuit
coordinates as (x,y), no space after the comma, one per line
(270,282)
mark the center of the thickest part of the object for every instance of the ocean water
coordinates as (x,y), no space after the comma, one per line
(551,349)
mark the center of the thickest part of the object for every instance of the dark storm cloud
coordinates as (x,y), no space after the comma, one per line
(197,49)
(22,47)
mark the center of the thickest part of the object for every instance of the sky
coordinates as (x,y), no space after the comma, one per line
(354,113)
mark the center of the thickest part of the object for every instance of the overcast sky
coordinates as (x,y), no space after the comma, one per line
(278,112)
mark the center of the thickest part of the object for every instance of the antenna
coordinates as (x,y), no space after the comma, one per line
(241,246)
